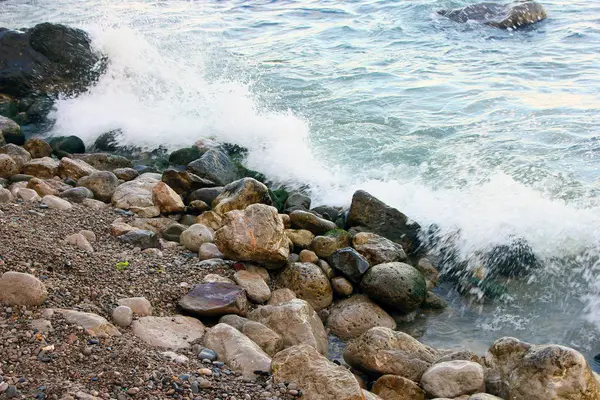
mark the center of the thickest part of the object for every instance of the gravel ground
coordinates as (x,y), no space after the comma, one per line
(66,362)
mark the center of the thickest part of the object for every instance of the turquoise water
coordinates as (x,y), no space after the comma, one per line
(485,132)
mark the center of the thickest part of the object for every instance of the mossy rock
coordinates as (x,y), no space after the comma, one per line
(184,156)
(234,151)
(279,196)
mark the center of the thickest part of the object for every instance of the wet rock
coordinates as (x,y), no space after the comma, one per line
(208,251)
(433,301)
(301,238)
(38,148)
(56,203)
(393,387)
(73,168)
(184,182)
(350,263)
(44,168)
(309,221)
(136,194)
(63,145)
(94,324)
(18,154)
(41,187)
(19,289)
(295,321)
(215,166)
(123,316)
(505,16)
(430,273)
(195,236)
(175,332)
(207,195)
(372,215)
(211,220)
(239,352)
(267,339)
(215,299)
(139,305)
(350,318)
(77,194)
(80,241)
(102,183)
(10,131)
(384,351)
(395,285)
(280,296)
(104,161)
(521,370)
(254,234)
(453,379)
(184,156)
(8,166)
(140,238)
(256,288)
(341,286)
(240,194)
(126,174)
(309,283)
(377,249)
(513,259)
(319,378)
(166,199)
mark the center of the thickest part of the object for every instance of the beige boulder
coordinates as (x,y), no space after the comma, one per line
(80,241)
(18,154)
(319,378)
(28,195)
(377,249)
(342,286)
(175,332)
(254,234)
(350,318)
(94,324)
(296,322)
(301,238)
(56,203)
(309,283)
(393,387)
(265,337)
(139,305)
(44,168)
(167,199)
(256,288)
(370,396)
(209,251)
(75,169)
(385,351)
(307,256)
(136,194)
(19,289)
(453,379)
(195,236)
(5,196)
(235,349)
(8,166)
(38,148)
(211,220)
(280,296)
(41,187)
(240,194)
(102,183)
(325,246)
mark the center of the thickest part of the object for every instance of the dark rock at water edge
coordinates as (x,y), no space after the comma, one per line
(505,16)
(184,182)
(350,263)
(107,141)
(513,259)
(215,166)
(141,238)
(64,145)
(185,156)
(370,214)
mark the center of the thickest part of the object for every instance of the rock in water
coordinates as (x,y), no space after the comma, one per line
(239,352)
(395,285)
(519,370)
(372,215)
(506,16)
(296,322)
(63,145)
(47,59)
(350,318)
(18,289)
(393,387)
(384,351)
(319,378)
(240,194)
(254,234)
(215,299)
(215,166)
(176,332)
(453,379)
(309,283)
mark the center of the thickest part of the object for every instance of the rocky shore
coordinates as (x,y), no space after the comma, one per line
(193,277)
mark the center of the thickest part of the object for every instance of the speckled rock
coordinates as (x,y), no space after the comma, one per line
(74,169)
(44,168)
(341,286)
(453,379)
(102,183)
(309,283)
(350,318)
(195,236)
(377,249)
(280,296)
(393,387)
(240,194)
(8,166)
(38,148)
(19,154)
(301,238)
(19,289)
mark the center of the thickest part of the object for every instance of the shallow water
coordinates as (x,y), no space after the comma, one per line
(493,133)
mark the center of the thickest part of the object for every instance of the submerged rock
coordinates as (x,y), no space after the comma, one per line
(506,16)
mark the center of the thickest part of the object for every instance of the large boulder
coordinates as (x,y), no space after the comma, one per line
(38,148)
(166,199)
(215,166)
(453,379)
(394,387)
(254,234)
(239,352)
(306,220)
(136,194)
(377,249)
(8,166)
(240,194)
(102,183)
(47,59)
(308,282)
(505,16)
(215,299)
(104,161)
(63,145)
(74,169)
(395,285)
(350,318)
(319,378)
(350,263)
(265,337)
(195,236)
(175,332)
(44,168)
(10,131)
(383,351)
(19,154)
(519,370)
(19,289)
(295,321)
(370,214)
(184,182)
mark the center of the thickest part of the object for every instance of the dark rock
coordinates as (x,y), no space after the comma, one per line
(327,212)
(215,299)
(47,59)
(144,169)
(373,215)
(505,16)
(395,285)
(173,232)
(297,201)
(433,301)
(104,161)
(184,182)
(108,141)
(514,259)
(188,219)
(77,194)
(21,178)
(198,207)
(141,238)
(126,174)
(37,111)
(185,156)
(8,106)
(279,197)
(215,166)
(350,263)
(311,222)
(207,195)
